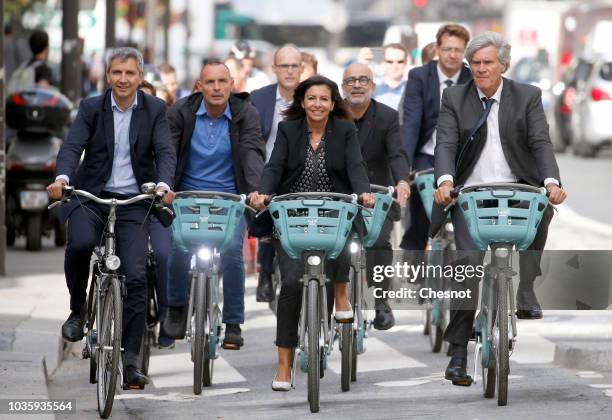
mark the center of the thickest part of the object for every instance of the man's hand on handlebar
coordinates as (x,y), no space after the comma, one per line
(367,200)
(257,200)
(402,191)
(556,194)
(443,194)
(168,195)
(56,190)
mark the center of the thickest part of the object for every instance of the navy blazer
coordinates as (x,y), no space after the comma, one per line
(264,99)
(421,105)
(152,156)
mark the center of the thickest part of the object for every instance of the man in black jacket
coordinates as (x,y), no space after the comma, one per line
(219,148)
(381,148)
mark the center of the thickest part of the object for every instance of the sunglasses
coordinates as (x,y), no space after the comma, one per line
(395,61)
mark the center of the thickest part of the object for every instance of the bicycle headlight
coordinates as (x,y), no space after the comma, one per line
(112,262)
(314,260)
(501,252)
(354,247)
(204,254)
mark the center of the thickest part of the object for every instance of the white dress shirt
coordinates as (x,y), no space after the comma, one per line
(280,106)
(429,147)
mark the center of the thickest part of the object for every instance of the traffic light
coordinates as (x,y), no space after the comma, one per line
(419,3)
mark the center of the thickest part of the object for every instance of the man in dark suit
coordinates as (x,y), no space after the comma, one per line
(385,157)
(124,134)
(421,105)
(270,102)
(219,148)
(491,130)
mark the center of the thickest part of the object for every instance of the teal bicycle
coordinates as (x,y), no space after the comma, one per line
(501,217)
(352,335)
(440,251)
(313,227)
(204,225)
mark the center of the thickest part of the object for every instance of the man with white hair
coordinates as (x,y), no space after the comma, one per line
(508,141)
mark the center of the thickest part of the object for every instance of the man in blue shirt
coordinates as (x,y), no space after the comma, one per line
(219,148)
(389,90)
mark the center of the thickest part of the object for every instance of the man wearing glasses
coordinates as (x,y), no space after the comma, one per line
(270,102)
(382,150)
(389,90)
(421,106)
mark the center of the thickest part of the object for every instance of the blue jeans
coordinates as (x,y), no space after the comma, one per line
(232,265)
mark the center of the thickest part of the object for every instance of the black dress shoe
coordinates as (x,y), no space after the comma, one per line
(174,323)
(534,313)
(264,292)
(134,378)
(72,330)
(456,371)
(233,337)
(384,316)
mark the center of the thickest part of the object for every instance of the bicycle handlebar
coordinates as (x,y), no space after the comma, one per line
(107,201)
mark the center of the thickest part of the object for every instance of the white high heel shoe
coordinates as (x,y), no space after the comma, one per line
(344,315)
(281,385)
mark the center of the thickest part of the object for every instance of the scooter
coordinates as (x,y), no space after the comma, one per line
(40,117)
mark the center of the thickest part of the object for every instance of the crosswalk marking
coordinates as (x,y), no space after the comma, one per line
(589,374)
(402,383)
(178,397)
(176,370)
(378,356)
(600,385)
(533,348)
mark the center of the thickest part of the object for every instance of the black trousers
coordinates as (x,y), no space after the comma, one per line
(265,257)
(290,297)
(462,314)
(381,253)
(415,237)
(85,227)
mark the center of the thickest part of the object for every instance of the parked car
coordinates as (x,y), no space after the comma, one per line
(592,105)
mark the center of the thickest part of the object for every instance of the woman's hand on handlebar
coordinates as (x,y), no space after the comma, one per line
(367,200)
(443,194)
(257,200)
(168,195)
(556,194)
(402,193)
(56,190)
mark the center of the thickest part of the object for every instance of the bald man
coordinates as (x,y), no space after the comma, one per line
(381,148)
(270,102)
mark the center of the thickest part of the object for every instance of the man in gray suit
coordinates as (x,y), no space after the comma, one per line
(491,130)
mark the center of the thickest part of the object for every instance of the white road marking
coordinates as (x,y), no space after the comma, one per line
(533,348)
(600,385)
(378,356)
(589,374)
(176,370)
(178,397)
(402,383)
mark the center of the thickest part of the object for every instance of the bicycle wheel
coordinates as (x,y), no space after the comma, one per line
(109,349)
(488,373)
(346,346)
(502,356)
(314,358)
(212,336)
(198,339)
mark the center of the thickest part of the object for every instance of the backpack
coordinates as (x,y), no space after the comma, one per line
(23,78)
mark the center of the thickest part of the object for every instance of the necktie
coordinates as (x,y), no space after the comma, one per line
(448,82)
(483,118)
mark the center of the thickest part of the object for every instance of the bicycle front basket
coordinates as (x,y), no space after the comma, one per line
(425,186)
(312,225)
(205,221)
(375,218)
(502,216)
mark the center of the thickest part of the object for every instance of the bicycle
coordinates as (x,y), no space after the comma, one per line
(105,302)
(500,217)
(440,250)
(312,226)
(352,335)
(204,225)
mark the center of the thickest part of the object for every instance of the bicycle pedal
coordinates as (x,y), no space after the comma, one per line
(466,381)
(127,387)
(229,346)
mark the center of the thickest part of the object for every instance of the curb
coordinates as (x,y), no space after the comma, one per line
(588,355)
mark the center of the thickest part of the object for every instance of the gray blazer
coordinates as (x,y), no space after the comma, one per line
(522,127)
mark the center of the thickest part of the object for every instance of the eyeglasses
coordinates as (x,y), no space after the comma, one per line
(351,81)
(395,61)
(286,67)
(448,50)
